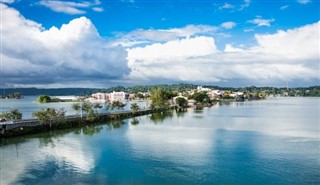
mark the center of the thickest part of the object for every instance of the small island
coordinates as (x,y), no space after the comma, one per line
(15,95)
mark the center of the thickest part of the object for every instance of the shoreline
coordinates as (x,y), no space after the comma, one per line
(29,126)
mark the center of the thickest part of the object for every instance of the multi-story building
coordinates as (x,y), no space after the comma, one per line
(101,96)
(117,96)
(114,96)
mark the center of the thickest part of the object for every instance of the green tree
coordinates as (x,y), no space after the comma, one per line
(200,97)
(13,114)
(88,108)
(182,102)
(138,95)
(134,107)
(159,99)
(49,115)
(76,107)
(117,105)
(43,99)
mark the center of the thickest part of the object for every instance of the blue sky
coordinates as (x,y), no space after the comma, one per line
(121,40)
(124,16)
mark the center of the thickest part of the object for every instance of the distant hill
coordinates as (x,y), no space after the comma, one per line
(297,91)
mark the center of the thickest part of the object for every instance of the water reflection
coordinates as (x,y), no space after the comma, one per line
(116,124)
(181,112)
(161,116)
(35,158)
(134,121)
(91,129)
(274,141)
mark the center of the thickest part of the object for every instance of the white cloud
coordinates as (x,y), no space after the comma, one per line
(69,7)
(248,30)
(188,47)
(98,9)
(7,1)
(161,35)
(227,6)
(283,56)
(261,22)
(246,4)
(73,53)
(228,25)
(235,7)
(299,43)
(304,1)
(284,7)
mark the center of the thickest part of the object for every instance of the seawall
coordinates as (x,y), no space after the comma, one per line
(22,127)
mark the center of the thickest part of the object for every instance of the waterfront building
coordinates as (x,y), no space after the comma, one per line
(101,96)
(117,96)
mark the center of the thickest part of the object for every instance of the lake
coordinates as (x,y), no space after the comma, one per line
(28,105)
(274,141)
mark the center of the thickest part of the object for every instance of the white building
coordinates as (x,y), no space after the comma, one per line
(101,96)
(201,89)
(117,96)
(67,98)
(110,97)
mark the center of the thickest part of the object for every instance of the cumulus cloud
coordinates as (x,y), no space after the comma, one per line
(283,56)
(72,53)
(228,25)
(69,7)
(261,22)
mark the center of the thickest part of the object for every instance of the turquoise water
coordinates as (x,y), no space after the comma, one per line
(274,141)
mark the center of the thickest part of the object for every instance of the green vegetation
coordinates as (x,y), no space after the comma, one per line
(159,99)
(117,105)
(200,97)
(13,114)
(88,109)
(139,96)
(49,115)
(134,107)
(76,107)
(181,102)
(46,99)
(295,91)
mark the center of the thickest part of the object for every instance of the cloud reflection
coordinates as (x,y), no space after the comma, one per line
(175,143)
(72,152)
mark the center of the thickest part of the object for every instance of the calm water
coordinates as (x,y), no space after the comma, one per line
(28,105)
(273,141)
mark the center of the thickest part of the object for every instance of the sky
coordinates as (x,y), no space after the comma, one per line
(104,43)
